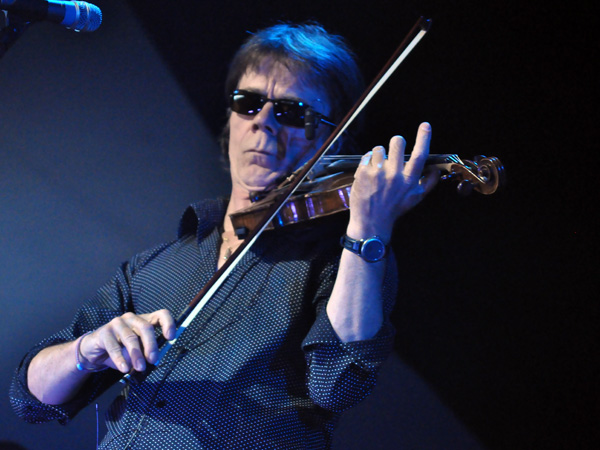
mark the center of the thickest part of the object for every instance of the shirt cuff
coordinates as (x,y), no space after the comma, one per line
(368,354)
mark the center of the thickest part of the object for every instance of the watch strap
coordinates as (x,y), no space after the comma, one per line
(356,246)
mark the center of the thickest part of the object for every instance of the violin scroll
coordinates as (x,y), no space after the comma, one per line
(484,175)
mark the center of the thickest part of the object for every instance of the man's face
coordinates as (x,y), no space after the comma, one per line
(261,150)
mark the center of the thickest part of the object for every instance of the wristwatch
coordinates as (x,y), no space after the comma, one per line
(371,249)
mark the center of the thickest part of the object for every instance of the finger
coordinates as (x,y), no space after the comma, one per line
(422,188)
(366,159)
(165,321)
(429,180)
(414,166)
(112,346)
(128,329)
(145,332)
(397,148)
(378,157)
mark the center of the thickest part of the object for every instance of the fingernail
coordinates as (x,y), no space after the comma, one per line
(123,367)
(365,159)
(153,356)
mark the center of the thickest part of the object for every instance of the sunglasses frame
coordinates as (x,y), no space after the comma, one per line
(299,109)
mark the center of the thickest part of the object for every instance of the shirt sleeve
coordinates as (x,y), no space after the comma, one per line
(112,300)
(340,374)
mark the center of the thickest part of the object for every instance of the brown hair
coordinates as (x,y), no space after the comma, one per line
(308,51)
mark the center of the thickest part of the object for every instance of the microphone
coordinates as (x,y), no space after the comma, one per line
(75,15)
(311,121)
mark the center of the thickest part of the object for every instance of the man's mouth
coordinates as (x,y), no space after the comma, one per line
(260,151)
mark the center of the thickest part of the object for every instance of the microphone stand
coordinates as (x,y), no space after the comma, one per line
(11,28)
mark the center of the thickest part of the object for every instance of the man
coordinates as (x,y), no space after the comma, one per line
(296,333)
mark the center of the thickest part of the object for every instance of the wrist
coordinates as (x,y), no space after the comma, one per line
(363,231)
(371,249)
(81,362)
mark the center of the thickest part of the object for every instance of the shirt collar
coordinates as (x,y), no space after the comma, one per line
(202,217)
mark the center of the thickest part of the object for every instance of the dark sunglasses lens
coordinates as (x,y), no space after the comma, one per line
(246,103)
(287,112)
(290,112)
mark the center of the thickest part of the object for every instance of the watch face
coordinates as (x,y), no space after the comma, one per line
(372,250)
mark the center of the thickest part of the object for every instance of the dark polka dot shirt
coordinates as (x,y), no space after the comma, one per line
(260,367)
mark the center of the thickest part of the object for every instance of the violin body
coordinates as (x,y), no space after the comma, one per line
(328,190)
(331,197)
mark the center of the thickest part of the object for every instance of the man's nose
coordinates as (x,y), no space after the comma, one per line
(265,119)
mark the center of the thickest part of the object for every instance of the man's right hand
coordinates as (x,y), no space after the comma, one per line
(126,342)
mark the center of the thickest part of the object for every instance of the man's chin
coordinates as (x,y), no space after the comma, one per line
(260,184)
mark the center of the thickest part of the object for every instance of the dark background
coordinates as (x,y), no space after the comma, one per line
(497,312)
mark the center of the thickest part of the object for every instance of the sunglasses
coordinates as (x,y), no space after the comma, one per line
(287,112)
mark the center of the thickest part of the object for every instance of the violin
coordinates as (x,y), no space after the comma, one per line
(329,182)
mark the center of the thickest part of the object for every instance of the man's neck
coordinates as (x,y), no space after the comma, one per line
(239,199)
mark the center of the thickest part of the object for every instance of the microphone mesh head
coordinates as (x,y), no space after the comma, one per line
(90,17)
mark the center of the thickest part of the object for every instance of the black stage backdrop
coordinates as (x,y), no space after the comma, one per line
(497,312)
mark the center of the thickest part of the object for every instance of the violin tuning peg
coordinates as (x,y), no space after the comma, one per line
(464,188)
